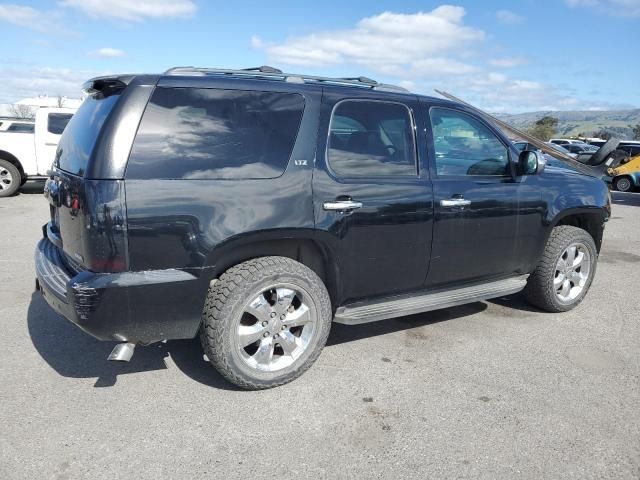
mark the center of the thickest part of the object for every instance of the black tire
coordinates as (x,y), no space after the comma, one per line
(540,290)
(225,308)
(623,183)
(10,178)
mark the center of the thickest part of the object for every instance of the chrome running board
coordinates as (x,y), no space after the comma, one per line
(401,305)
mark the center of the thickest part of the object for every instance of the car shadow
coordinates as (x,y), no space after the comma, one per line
(32,188)
(626,198)
(74,354)
(515,301)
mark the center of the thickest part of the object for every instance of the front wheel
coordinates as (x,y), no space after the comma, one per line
(265,322)
(565,272)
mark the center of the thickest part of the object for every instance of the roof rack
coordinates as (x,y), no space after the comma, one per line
(270,73)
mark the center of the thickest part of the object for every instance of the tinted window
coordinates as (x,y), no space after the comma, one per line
(371,139)
(81,133)
(21,127)
(465,146)
(57,122)
(196,133)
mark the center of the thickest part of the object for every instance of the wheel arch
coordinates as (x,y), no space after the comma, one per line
(589,219)
(303,248)
(9,157)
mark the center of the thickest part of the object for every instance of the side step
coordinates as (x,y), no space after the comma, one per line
(401,305)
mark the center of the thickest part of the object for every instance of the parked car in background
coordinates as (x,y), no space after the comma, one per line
(626,176)
(597,143)
(578,148)
(254,208)
(565,141)
(561,148)
(27,149)
(630,148)
(18,126)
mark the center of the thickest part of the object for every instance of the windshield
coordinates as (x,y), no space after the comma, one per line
(81,133)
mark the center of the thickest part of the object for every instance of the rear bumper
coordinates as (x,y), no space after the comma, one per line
(137,307)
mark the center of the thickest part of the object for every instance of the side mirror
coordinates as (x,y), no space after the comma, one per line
(529,162)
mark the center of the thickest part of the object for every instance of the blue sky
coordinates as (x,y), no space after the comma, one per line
(509,56)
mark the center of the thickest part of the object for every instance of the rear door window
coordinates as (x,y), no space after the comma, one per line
(57,122)
(371,138)
(204,133)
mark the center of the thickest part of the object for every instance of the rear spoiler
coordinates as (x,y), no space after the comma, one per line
(106,85)
(595,166)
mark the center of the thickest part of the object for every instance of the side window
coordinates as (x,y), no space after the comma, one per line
(206,133)
(57,122)
(21,127)
(465,146)
(369,138)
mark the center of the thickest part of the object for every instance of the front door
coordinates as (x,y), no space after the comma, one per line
(476,201)
(372,201)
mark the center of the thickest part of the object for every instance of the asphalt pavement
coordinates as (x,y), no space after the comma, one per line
(491,390)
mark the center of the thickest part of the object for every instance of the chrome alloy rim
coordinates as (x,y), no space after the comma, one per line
(276,328)
(623,184)
(6,179)
(572,272)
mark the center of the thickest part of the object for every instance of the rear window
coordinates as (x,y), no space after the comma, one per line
(80,135)
(201,133)
(57,122)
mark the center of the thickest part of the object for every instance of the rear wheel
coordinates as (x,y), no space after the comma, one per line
(265,322)
(565,272)
(10,179)
(622,184)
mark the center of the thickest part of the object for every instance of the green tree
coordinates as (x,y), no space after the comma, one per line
(603,134)
(636,132)
(545,128)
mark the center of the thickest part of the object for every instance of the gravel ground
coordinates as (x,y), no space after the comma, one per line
(489,390)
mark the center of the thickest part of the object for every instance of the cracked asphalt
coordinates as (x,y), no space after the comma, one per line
(488,390)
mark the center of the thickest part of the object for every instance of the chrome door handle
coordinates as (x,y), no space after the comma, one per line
(342,205)
(455,202)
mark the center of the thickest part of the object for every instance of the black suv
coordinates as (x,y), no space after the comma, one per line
(257,207)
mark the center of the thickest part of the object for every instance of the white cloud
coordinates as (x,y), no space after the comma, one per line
(107,52)
(508,62)
(133,10)
(616,8)
(388,42)
(19,83)
(508,17)
(28,17)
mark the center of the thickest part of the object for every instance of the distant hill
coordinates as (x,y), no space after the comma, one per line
(571,123)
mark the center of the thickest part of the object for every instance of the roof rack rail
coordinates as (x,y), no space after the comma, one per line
(271,73)
(263,69)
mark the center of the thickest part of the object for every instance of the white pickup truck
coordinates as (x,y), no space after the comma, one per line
(27,155)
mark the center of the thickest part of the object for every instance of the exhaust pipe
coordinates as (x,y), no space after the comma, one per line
(122,352)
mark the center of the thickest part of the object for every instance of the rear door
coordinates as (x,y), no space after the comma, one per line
(476,201)
(372,198)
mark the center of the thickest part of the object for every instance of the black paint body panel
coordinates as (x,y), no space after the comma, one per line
(147,248)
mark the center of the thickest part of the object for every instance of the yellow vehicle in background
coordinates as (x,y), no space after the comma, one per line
(626,176)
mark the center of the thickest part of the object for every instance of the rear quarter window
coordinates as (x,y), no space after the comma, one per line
(203,133)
